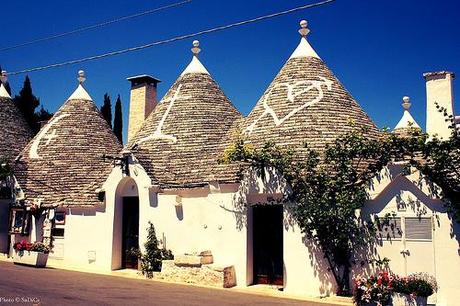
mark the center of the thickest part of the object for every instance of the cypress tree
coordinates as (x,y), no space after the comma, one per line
(27,103)
(106,109)
(118,120)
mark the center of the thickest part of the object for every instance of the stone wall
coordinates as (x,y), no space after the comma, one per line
(189,269)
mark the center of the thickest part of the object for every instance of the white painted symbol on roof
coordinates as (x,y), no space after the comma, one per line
(293,90)
(50,137)
(158,134)
(33,152)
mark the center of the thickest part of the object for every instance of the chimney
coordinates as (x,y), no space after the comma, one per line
(142,102)
(439,90)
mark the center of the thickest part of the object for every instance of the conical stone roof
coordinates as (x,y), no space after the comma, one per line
(179,144)
(407,123)
(305,103)
(63,164)
(15,133)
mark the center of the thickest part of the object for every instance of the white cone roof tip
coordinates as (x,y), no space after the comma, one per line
(195,66)
(80,94)
(304,49)
(407,121)
(3,92)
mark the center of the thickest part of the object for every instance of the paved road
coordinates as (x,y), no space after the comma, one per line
(59,287)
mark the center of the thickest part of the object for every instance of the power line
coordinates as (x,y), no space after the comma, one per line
(173,39)
(95,26)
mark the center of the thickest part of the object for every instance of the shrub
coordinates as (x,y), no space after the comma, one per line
(417,284)
(381,287)
(31,247)
(151,259)
(375,288)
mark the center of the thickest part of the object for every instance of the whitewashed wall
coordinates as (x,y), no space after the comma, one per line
(413,196)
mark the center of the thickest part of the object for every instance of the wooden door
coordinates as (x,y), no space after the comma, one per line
(268,244)
(130,234)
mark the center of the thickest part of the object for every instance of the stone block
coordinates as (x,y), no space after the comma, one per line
(187,260)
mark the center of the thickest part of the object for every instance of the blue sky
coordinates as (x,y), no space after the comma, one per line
(378,49)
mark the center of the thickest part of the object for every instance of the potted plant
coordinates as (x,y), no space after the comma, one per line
(387,289)
(414,289)
(374,290)
(33,254)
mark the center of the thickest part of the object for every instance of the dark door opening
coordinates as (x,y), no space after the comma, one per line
(268,244)
(130,234)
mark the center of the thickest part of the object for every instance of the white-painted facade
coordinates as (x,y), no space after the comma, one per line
(219,218)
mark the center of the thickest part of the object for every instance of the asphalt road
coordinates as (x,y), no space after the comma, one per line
(21,285)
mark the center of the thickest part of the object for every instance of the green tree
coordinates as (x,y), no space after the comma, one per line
(118,120)
(42,116)
(106,109)
(439,160)
(153,255)
(327,188)
(27,103)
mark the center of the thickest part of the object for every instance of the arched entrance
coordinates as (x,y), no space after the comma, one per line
(126,226)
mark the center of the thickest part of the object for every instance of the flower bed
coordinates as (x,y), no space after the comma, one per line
(390,289)
(34,254)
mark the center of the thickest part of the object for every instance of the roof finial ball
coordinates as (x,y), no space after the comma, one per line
(3,76)
(406,103)
(303,28)
(81,77)
(196,49)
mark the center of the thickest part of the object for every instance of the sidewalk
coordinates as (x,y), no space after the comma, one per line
(261,290)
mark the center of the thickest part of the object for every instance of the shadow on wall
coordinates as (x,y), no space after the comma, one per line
(256,189)
(412,194)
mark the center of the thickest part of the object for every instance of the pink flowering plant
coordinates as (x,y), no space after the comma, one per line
(24,245)
(380,288)
(373,289)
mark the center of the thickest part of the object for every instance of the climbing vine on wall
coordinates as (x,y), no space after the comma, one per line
(329,187)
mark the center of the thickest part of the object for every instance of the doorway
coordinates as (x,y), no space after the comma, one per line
(130,233)
(268,244)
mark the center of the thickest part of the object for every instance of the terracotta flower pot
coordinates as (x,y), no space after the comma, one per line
(37,259)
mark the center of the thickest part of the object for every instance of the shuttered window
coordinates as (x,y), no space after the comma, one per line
(418,229)
(390,229)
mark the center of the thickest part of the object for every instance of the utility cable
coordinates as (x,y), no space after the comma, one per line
(173,39)
(95,26)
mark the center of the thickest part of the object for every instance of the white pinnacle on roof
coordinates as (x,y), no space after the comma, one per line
(407,121)
(80,93)
(3,92)
(304,49)
(195,65)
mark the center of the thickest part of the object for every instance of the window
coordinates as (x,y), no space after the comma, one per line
(19,221)
(389,228)
(418,229)
(58,232)
(59,217)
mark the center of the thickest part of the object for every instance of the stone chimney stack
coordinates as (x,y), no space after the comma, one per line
(438,91)
(142,102)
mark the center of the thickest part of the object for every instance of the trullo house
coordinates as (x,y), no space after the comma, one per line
(15,133)
(169,174)
(57,175)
